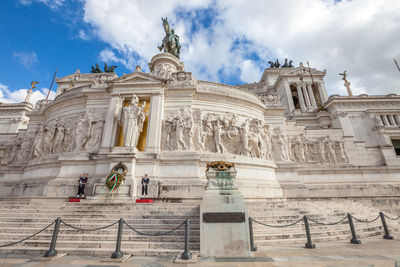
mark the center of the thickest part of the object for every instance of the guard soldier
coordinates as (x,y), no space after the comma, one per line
(145,184)
(82,182)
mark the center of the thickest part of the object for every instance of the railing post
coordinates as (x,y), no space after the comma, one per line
(387,235)
(354,239)
(186,255)
(252,247)
(52,250)
(118,253)
(309,243)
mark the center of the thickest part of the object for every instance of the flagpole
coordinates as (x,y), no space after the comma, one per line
(397,65)
(51,85)
(309,69)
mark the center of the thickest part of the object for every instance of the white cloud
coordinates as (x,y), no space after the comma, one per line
(50,3)
(83,35)
(18,96)
(359,36)
(27,59)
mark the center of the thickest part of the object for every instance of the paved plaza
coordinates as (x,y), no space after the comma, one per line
(372,252)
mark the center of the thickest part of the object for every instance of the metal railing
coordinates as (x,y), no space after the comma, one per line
(186,255)
(306,219)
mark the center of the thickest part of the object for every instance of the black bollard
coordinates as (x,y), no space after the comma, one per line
(354,239)
(118,253)
(52,250)
(309,243)
(186,255)
(252,246)
(387,235)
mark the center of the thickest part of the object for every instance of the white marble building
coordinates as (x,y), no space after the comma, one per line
(287,138)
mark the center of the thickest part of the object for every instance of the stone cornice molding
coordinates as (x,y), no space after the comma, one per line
(361,101)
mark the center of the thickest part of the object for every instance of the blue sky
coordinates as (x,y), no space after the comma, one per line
(223,41)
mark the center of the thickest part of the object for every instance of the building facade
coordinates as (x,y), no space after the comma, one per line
(287,138)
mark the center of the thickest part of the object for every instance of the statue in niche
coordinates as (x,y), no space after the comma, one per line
(339,152)
(217,132)
(179,128)
(26,152)
(95,135)
(80,134)
(328,150)
(169,127)
(200,136)
(6,149)
(38,142)
(49,134)
(69,135)
(244,138)
(297,148)
(170,43)
(279,145)
(59,137)
(188,128)
(132,121)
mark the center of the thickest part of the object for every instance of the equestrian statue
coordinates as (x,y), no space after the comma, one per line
(170,43)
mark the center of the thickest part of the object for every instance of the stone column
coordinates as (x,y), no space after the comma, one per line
(301,99)
(393,119)
(304,89)
(153,142)
(397,119)
(312,97)
(110,125)
(289,97)
(385,120)
(322,92)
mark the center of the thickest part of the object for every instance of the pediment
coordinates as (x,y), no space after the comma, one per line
(304,71)
(137,77)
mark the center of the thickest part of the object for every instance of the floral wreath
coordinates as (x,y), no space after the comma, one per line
(116,177)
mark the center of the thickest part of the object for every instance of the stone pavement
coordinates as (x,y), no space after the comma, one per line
(372,252)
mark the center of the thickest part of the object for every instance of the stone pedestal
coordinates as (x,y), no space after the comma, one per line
(223,203)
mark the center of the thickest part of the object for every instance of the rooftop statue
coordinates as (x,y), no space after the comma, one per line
(276,64)
(96,68)
(170,43)
(346,82)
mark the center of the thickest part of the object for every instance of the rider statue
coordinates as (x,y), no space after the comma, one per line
(170,42)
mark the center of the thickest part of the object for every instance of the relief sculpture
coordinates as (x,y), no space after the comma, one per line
(228,133)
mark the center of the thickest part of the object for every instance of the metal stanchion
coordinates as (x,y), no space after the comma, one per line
(252,246)
(387,235)
(309,243)
(354,239)
(186,255)
(52,250)
(118,253)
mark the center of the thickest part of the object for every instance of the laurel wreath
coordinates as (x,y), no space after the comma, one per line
(114,180)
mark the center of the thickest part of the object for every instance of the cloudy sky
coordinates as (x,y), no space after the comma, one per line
(228,41)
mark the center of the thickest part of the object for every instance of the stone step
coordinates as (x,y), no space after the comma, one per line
(316,232)
(63,244)
(6,238)
(265,244)
(98,252)
(110,231)
(100,221)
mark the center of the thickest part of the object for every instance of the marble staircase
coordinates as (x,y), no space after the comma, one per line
(22,218)
(325,211)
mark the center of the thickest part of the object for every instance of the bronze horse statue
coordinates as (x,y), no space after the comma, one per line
(170,43)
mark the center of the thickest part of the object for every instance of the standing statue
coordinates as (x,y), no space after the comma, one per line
(38,142)
(170,43)
(346,82)
(132,121)
(29,93)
